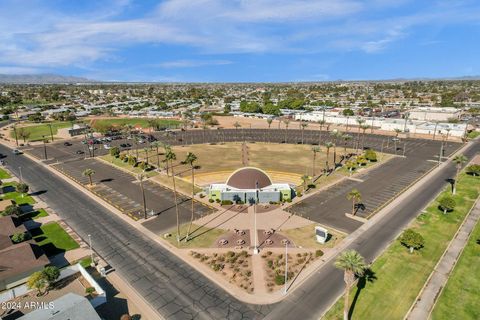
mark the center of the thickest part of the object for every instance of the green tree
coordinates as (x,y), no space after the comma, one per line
(51,273)
(473,169)
(22,188)
(237,125)
(89,173)
(412,240)
(328,145)
(459,160)
(353,265)
(156,145)
(190,160)
(115,152)
(356,197)
(23,133)
(305,179)
(447,203)
(19,237)
(303,125)
(12,209)
(38,281)
(269,122)
(315,150)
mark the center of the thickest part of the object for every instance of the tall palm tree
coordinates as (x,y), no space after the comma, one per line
(170,156)
(355,196)
(286,121)
(140,178)
(156,145)
(89,173)
(360,122)
(459,160)
(328,145)
(346,137)
(303,125)
(152,124)
(335,135)
(352,264)
(146,155)
(305,179)
(190,159)
(364,128)
(315,150)
(321,123)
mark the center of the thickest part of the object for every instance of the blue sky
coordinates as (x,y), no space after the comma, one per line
(241,40)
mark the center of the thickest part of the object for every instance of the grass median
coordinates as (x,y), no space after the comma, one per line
(398,275)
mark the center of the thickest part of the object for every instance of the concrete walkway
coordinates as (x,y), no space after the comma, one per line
(439,277)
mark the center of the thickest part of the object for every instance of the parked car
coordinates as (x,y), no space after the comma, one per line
(125,145)
(67,144)
(16,152)
(79,152)
(106,146)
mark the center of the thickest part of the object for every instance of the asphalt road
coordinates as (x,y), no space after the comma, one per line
(171,286)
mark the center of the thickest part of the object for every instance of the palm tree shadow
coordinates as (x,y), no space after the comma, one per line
(368,277)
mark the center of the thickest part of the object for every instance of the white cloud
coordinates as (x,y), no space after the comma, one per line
(192,63)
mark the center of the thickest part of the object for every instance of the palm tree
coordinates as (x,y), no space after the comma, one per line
(89,173)
(156,145)
(303,126)
(152,124)
(321,123)
(237,125)
(170,156)
(190,159)
(269,121)
(335,134)
(346,137)
(328,145)
(146,155)
(357,145)
(286,121)
(140,178)
(315,150)
(352,264)
(355,196)
(364,128)
(459,160)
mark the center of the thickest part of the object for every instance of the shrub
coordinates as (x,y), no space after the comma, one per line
(51,273)
(19,237)
(299,194)
(115,152)
(218,200)
(12,209)
(370,155)
(226,202)
(122,157)
(270,263)
(311,186)
(447,203)
(90,290)
(22,188)
(412,239)
(211,200)
(288,200)
(202,195)
(132,161)
(318,253)
(279,279)
(473,169)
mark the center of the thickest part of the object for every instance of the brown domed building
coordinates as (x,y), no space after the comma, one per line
(247,184)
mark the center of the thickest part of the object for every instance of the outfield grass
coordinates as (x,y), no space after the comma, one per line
(39,130)
(53,239)
(16,196)
(200,237)
(4,174)
(142,122)
(460,298)
(401,275)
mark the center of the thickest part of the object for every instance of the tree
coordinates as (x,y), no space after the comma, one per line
(336,135)
(315,150)
(287,122)
(328,145)
(459,160)
(353,265)
(473,169)
(346,137)
(170,156)
(355,196)
(89,173)
(269,121)
(115,152)
(359,122)
(23,133)
(305,179)
(447,203)
(156,145)
(38,281)
(51,274)
(364,128)
(412,240)
(237,125)
(12,209)
(22,188)
(303,125)
(19,237)
(347,113)
(190,160)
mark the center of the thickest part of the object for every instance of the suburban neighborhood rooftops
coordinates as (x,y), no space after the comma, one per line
(21,258)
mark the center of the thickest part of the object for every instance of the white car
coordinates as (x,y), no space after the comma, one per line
(16,152)
(107,146)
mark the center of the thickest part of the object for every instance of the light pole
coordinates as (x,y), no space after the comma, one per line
(286,267)
(51,132)
(440,154)
(15,132)
(44,147)
(255,248)
(140,178)
(21,175)
(91,249)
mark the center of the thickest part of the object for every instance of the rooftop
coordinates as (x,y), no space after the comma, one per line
(246,178)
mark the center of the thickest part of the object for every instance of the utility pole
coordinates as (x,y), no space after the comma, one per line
(286,267)
(44,147)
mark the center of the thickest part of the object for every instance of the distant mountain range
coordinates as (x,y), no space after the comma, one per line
(41,79)
(48,78)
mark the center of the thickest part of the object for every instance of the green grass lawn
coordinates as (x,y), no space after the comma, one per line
(119,163)
(4,174)
(39,130)
(10,193)
(460,298)
(37,213)
(305,237)
(142,122)
(401,275)
(473,134)
(53,239)
(200,237)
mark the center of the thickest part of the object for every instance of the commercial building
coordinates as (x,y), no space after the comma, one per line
(249,184)
(434,114)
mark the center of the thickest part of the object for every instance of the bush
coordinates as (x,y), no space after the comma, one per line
(279,279)
(19,237)
(370,155)
(311,186)
(122,157)
(12,209)
(132,161)
(201,196)
(412,239)
(288,200)
(22,188)
(318,253)
(299,194)
(211,200)
(51,273)
(446,204)
(226,202)
(218,200)
(90,290)
(115,152)
(473,169)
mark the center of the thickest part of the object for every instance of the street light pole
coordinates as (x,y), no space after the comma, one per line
(21,175)
(255,248)
(140,178)
(286,268)
(91,249)
(44,148)
(15,132)
(51,132)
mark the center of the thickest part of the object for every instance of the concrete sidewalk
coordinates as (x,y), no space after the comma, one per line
(439,277)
